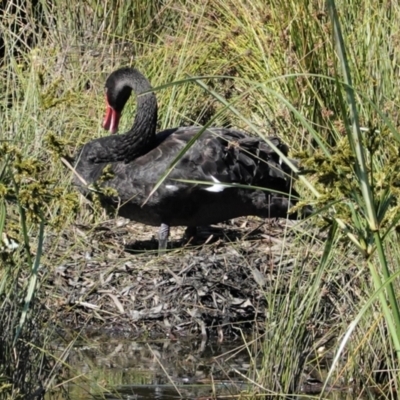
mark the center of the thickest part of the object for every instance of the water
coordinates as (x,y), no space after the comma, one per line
(162,370)
(105,368)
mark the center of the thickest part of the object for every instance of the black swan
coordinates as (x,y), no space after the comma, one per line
(220,156)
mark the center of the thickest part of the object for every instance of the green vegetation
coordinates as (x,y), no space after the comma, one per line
(323,79)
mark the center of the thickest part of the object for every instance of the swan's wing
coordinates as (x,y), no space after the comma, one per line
(229,156)
(220,156)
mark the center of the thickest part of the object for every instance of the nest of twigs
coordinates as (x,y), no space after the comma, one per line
(214,285)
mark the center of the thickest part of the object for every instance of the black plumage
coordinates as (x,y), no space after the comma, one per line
(139,157)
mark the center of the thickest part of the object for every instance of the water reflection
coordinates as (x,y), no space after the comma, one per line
(169,369)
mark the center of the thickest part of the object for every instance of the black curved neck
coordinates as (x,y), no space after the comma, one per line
(140,138)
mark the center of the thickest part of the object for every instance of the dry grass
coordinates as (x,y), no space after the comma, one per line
(276,63)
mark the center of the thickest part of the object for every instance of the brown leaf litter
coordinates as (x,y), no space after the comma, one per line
(98,280)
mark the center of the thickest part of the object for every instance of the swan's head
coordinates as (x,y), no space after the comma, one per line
(118,91)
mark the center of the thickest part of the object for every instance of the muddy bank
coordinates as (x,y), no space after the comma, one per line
(111,278)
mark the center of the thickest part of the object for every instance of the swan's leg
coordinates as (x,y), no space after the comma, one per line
(163,234)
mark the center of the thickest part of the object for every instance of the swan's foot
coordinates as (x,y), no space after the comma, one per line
(163,234)
(190,233)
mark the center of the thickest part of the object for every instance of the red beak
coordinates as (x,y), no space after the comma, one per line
(111,120)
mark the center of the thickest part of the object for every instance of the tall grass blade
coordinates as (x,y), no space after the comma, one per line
(378,294)
(32,281)
(368,203)
(355,138)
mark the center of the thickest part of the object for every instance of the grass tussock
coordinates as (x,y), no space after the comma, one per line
(324,81)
